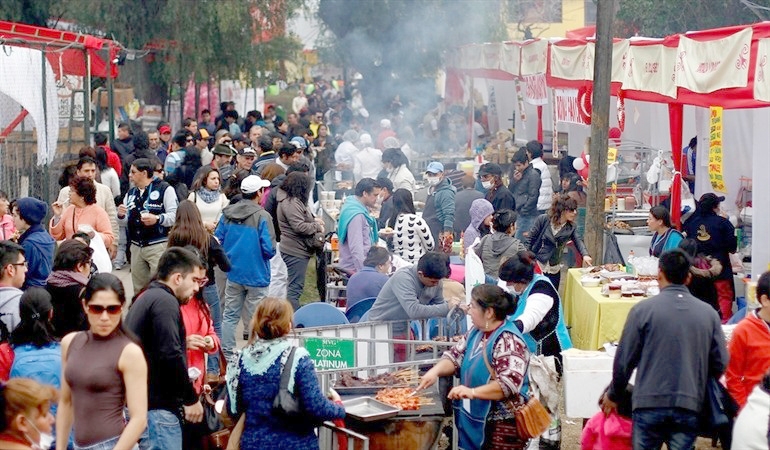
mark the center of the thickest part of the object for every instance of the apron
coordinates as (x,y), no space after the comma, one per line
(471,415)
(561,330)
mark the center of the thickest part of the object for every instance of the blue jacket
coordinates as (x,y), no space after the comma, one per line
(39,248)
(247,235)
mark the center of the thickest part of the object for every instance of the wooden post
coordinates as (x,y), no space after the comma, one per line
(595,218)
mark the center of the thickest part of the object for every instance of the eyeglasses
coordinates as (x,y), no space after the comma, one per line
(99,309)
(25,264)
(189,140)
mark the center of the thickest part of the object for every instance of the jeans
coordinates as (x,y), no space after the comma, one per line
(109,444)
(164,432)
(237,299)
(677,427)
(296,266)
(211,297)
(524,225)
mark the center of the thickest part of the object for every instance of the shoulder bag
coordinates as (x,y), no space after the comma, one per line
(285,404)
(532,419)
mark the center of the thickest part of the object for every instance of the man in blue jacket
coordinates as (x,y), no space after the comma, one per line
(247,235)
(38,244)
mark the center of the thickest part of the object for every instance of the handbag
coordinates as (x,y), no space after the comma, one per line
(315,242)
(719,409)
(532,419)
(285,404)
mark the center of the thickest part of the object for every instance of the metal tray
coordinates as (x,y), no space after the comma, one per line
(366,390)
(368,409)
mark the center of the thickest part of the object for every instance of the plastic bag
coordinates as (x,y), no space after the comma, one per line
(474,270)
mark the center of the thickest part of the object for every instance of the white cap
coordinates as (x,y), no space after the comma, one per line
(384,123)
(252,184)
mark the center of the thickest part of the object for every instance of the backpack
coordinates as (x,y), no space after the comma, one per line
(40,364)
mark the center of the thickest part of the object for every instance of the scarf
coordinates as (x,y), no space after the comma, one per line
(207,195)
(256,358)
(64,278)
(350,209)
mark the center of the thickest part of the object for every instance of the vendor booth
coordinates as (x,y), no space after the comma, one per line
(710,84)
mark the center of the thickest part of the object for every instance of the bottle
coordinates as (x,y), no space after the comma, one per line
(630,263)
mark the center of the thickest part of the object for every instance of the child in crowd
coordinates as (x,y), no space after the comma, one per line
(610,431)
(7,228)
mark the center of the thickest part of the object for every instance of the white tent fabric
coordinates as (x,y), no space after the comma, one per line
(22,80)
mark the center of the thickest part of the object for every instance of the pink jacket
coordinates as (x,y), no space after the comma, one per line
(73,217)
(7,228)
(196,322)
(611,432)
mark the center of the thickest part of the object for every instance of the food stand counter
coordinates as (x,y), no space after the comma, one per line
(592,318)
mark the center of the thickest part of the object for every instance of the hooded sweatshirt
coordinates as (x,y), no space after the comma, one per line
(749,356)
(439,209)
(247,235)
(39,247)
(480,209)
(9,306)
(496,248)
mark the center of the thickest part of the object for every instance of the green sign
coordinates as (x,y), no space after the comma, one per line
(331,353)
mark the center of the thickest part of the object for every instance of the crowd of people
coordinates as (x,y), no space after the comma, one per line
(218,224)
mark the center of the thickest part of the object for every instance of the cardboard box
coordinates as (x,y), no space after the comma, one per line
(123,95)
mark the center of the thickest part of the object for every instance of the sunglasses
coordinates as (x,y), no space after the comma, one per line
(227,142)
(99,309)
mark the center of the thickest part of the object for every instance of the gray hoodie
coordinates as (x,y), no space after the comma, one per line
(9,306)
(494,249)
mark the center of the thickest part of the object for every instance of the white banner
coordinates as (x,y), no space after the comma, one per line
(573,63)
(537,89)
(762,71)
(509,58)
(470,57)
(70,101)
(707,66)
(619,60)
(566,106)
(650,68)
(533,57)
(490,55)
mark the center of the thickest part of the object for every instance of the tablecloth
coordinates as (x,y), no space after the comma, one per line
(592,318)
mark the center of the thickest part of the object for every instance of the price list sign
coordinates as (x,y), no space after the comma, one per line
(716,175)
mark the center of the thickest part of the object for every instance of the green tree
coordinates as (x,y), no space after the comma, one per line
(32,12)
(659,18)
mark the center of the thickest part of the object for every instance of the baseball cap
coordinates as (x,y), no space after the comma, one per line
(201,134)
(491,169)
(221,133)
(298,142)
(252,184)
(710,200)
(165,129)
(248,151)
(222,149)
(435,167)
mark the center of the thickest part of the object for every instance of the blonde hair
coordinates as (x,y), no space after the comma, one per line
(272,319)
(22,395)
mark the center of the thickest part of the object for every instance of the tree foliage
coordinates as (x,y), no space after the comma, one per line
(202,38)
(659,18)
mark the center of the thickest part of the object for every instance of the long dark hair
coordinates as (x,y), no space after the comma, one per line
(35,325)
(188,229)
(402,204)
(108,282)
(297,185)
(233,187)
(203,177)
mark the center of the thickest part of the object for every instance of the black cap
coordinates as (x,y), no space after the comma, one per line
(710,200)
(491,169)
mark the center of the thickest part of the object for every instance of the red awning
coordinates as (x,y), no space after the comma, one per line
(71,61)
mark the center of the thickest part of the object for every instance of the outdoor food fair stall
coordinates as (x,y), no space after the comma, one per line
(710,84)
(356,360)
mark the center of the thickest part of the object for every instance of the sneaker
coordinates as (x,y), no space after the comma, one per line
(117,265)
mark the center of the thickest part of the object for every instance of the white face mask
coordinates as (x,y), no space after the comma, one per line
(432,181)
(486,184)
(45,441)
(513,290)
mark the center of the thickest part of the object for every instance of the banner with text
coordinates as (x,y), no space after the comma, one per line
(650,68)
(707,66)
(573,62)
(716,173)
(566,106)
(537,89)
(761,74)
(533,57)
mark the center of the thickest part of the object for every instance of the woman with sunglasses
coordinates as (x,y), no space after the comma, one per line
(551,233)
(189,230)
(103,370)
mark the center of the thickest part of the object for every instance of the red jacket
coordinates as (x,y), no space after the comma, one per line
(6,361)
(749,356)
(196,322)
(113,160)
